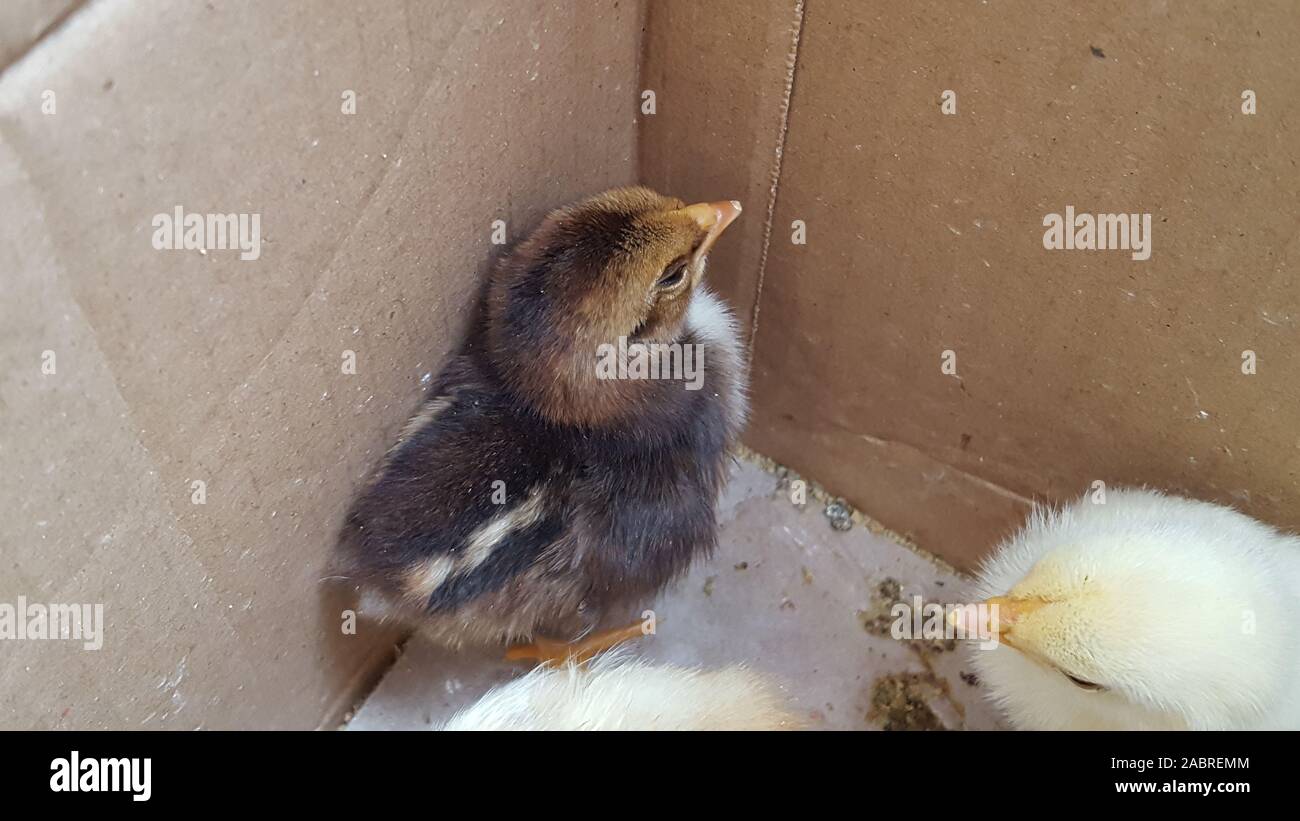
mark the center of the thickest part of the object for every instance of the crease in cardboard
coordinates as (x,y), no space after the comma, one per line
(48,31)
(974,478)
(361,209)
(275,345)
(787,95)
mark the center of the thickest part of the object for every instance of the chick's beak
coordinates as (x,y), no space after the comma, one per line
(994,617)
(713,217)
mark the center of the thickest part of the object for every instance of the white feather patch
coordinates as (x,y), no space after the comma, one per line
(614,693)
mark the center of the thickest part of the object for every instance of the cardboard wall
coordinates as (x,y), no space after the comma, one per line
(176,366)
(925,234)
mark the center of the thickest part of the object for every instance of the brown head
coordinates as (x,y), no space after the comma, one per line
(622,264)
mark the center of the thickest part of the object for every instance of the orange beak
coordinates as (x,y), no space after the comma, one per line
(713,217)
(996,617)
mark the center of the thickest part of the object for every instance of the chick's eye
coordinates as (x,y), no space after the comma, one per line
(672,275)
(1081,684)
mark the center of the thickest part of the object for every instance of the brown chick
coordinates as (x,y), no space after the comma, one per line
(541,485)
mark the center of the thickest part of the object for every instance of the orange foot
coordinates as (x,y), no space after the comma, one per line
(580,651)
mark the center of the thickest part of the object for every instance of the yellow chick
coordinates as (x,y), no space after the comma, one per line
(1147,612)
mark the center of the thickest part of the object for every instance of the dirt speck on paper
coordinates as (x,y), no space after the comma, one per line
(839,514)
(899,702)
(939,645)
(877,619)
(889,590)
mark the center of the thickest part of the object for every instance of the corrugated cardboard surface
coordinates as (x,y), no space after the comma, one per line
(924,234)
(176,366)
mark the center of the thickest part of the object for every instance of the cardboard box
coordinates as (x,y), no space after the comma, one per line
(924,234)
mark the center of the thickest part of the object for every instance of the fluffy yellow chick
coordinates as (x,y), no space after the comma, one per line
(1143,612)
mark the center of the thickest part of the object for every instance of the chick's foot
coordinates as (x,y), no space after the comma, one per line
(554,652)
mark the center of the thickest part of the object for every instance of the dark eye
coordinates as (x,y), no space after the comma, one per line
(1081,684)
(673,274)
